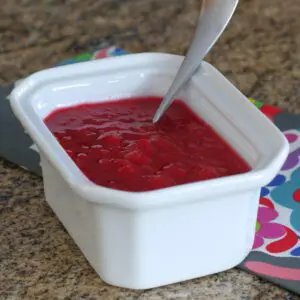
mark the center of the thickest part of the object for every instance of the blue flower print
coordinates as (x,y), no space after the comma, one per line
(288,195)
(277,180)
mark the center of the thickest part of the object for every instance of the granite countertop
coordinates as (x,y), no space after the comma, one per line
(259,53)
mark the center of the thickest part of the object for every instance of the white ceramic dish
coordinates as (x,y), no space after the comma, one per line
(149,239)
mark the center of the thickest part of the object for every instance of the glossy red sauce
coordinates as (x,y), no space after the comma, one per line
(116,145)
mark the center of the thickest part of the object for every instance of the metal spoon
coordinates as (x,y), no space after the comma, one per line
(213,19)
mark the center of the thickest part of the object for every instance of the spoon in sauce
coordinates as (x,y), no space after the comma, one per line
(214,18)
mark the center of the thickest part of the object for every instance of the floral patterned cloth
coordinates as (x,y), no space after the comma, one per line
(281,198)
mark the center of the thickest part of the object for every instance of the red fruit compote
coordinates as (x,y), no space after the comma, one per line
(116,145)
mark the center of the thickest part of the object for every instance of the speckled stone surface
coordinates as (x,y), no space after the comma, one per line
(260,53)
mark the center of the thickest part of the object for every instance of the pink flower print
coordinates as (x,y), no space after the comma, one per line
(265,229)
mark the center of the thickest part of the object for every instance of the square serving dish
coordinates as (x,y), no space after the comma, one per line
(149,239)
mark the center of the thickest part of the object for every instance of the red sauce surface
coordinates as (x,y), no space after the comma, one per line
(116,145)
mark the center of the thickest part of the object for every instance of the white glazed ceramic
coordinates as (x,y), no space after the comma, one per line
(148,239)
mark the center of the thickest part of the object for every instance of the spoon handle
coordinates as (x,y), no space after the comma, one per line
(213,19)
